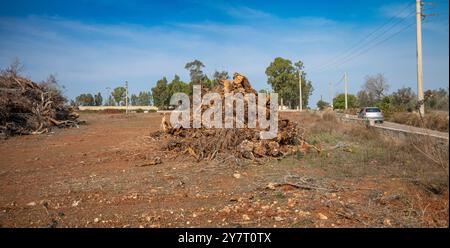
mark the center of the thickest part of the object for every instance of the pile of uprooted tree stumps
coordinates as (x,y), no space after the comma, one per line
(30,108)
(232,143)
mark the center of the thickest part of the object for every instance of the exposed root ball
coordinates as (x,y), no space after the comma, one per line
(203,143)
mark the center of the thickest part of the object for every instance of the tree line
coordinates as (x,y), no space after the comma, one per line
(163,90)
(374,93)
(282,76)
(116,98)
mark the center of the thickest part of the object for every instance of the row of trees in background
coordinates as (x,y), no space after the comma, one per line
(374,92)
(88,100)
(117,98)
(144,98)
(161,93)
(283,77)
(163,90)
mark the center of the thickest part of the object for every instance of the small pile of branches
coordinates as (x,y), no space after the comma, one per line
(207,144)
(30,108)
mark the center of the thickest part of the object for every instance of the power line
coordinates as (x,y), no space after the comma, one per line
(355,45)
(382,41)
(369,48)
(378,43)
(372,41)
(340,81)
(360,44)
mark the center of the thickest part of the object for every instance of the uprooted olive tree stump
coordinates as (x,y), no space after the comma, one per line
(207,144)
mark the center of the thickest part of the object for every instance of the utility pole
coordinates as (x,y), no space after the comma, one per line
(108,89)
(345,90)
(300,90)
(331,95)
(126,97)
(419,56)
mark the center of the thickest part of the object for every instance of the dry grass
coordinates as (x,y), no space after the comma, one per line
(432,120)
(329,116)
(388,181)
(433,150)
(354,150)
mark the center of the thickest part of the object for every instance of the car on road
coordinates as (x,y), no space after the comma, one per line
(371,113)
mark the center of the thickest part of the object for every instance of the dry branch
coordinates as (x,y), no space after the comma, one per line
(30,108)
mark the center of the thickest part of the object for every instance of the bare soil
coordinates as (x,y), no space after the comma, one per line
(99,176)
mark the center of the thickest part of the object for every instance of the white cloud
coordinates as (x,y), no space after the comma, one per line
(398,10)
(88,57)
(244,12)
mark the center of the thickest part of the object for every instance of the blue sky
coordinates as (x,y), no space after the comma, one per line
(91,45)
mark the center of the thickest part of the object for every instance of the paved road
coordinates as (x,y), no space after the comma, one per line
(404,128)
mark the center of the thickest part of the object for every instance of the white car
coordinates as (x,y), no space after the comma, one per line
(371,113)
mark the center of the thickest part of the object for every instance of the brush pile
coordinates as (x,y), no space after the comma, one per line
(30,108)
(208,144)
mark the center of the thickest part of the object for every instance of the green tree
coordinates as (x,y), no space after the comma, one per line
(195,71)
(161,93)
(283,76)
(98,99)
(437,99)
(134,100)
(218,76)
(110,101)
(339,101)
(90,99)
(178,86)
(208,83)
(404,99)
(85,100)
(119,95)
(322,104)
(385,105)
(144,98)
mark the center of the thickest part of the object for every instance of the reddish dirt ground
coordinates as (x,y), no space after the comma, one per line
(90,177)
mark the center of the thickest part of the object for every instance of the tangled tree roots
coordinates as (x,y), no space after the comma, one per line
(30,108)
(208,144)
